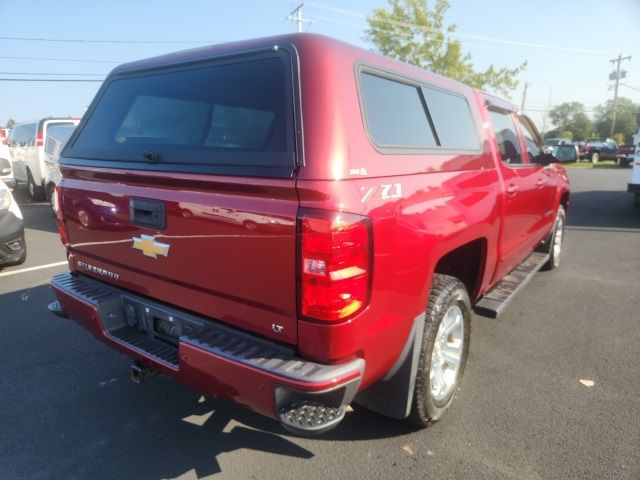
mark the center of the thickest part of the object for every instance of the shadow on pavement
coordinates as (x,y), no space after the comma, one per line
(603,210)
(71,411)
(37,215)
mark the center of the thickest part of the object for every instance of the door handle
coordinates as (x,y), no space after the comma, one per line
(147,213)
(512,189)
(540,182)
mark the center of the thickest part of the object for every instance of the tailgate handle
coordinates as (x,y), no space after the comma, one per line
(147,213)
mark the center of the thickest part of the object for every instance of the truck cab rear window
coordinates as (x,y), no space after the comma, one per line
(221,114)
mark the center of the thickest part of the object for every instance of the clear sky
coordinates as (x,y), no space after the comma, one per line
(568,43)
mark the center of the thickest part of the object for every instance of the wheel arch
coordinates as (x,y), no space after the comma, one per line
(467,263)
(564,200)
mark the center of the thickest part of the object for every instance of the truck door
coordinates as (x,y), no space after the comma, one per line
(546,183)
(520,195)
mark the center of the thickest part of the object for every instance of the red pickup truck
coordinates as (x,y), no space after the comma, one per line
(295,224)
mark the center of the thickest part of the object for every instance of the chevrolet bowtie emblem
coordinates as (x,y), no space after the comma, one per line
(149,247)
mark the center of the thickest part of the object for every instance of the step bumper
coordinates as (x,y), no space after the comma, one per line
(208,356)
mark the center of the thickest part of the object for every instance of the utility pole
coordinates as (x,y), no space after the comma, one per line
(524,96)
(296,16)
(616,76)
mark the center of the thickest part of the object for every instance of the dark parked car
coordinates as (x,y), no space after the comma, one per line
(566,152)
(556,141)
(596,149)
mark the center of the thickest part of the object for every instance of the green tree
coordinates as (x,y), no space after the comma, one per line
(619,138)
(570,116)
(10,123)
(412,32)
(568,134)
(626,118)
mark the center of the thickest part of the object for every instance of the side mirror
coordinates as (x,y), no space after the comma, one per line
(546,159)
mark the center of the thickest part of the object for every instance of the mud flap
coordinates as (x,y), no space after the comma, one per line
(393,394)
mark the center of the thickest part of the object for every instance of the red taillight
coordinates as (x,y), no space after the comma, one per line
(3,137)
(335,264)
(39,139)
(59,217)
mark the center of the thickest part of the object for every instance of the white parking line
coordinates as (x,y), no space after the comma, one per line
(31,269)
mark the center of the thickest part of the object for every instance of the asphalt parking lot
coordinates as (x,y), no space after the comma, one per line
(69,411)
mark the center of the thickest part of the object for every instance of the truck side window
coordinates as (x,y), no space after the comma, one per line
(532,140)
(395,113)
(506,137)
(452,119)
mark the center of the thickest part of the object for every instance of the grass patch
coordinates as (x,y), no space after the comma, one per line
(603,164)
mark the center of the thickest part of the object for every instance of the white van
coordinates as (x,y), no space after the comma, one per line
(6,170)
(55,140)
(26,142)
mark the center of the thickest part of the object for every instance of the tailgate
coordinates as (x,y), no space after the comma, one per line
(179,185)
(227,249)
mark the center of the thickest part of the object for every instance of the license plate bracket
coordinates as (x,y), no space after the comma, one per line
(167,329)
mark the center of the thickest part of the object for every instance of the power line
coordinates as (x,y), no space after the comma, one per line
(629,86)
(46,59)
(466,44)
(49,80)
(564,84)
(459,34)
(82,40)
(55,74)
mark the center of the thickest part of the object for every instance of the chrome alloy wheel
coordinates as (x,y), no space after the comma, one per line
(557,241)
(446,357)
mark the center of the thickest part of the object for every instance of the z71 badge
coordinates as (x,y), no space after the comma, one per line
(387,192)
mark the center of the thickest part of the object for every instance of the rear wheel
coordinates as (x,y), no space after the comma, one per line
(595,157)
(636,199)
(443,355)
(36,192)
(51,198)
(556,241)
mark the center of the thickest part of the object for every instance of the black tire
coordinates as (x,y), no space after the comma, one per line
(595,157)
(624,163)
(636,199)
(36,192)
(446,292)
(558,229)
(22,258)
(50,193)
